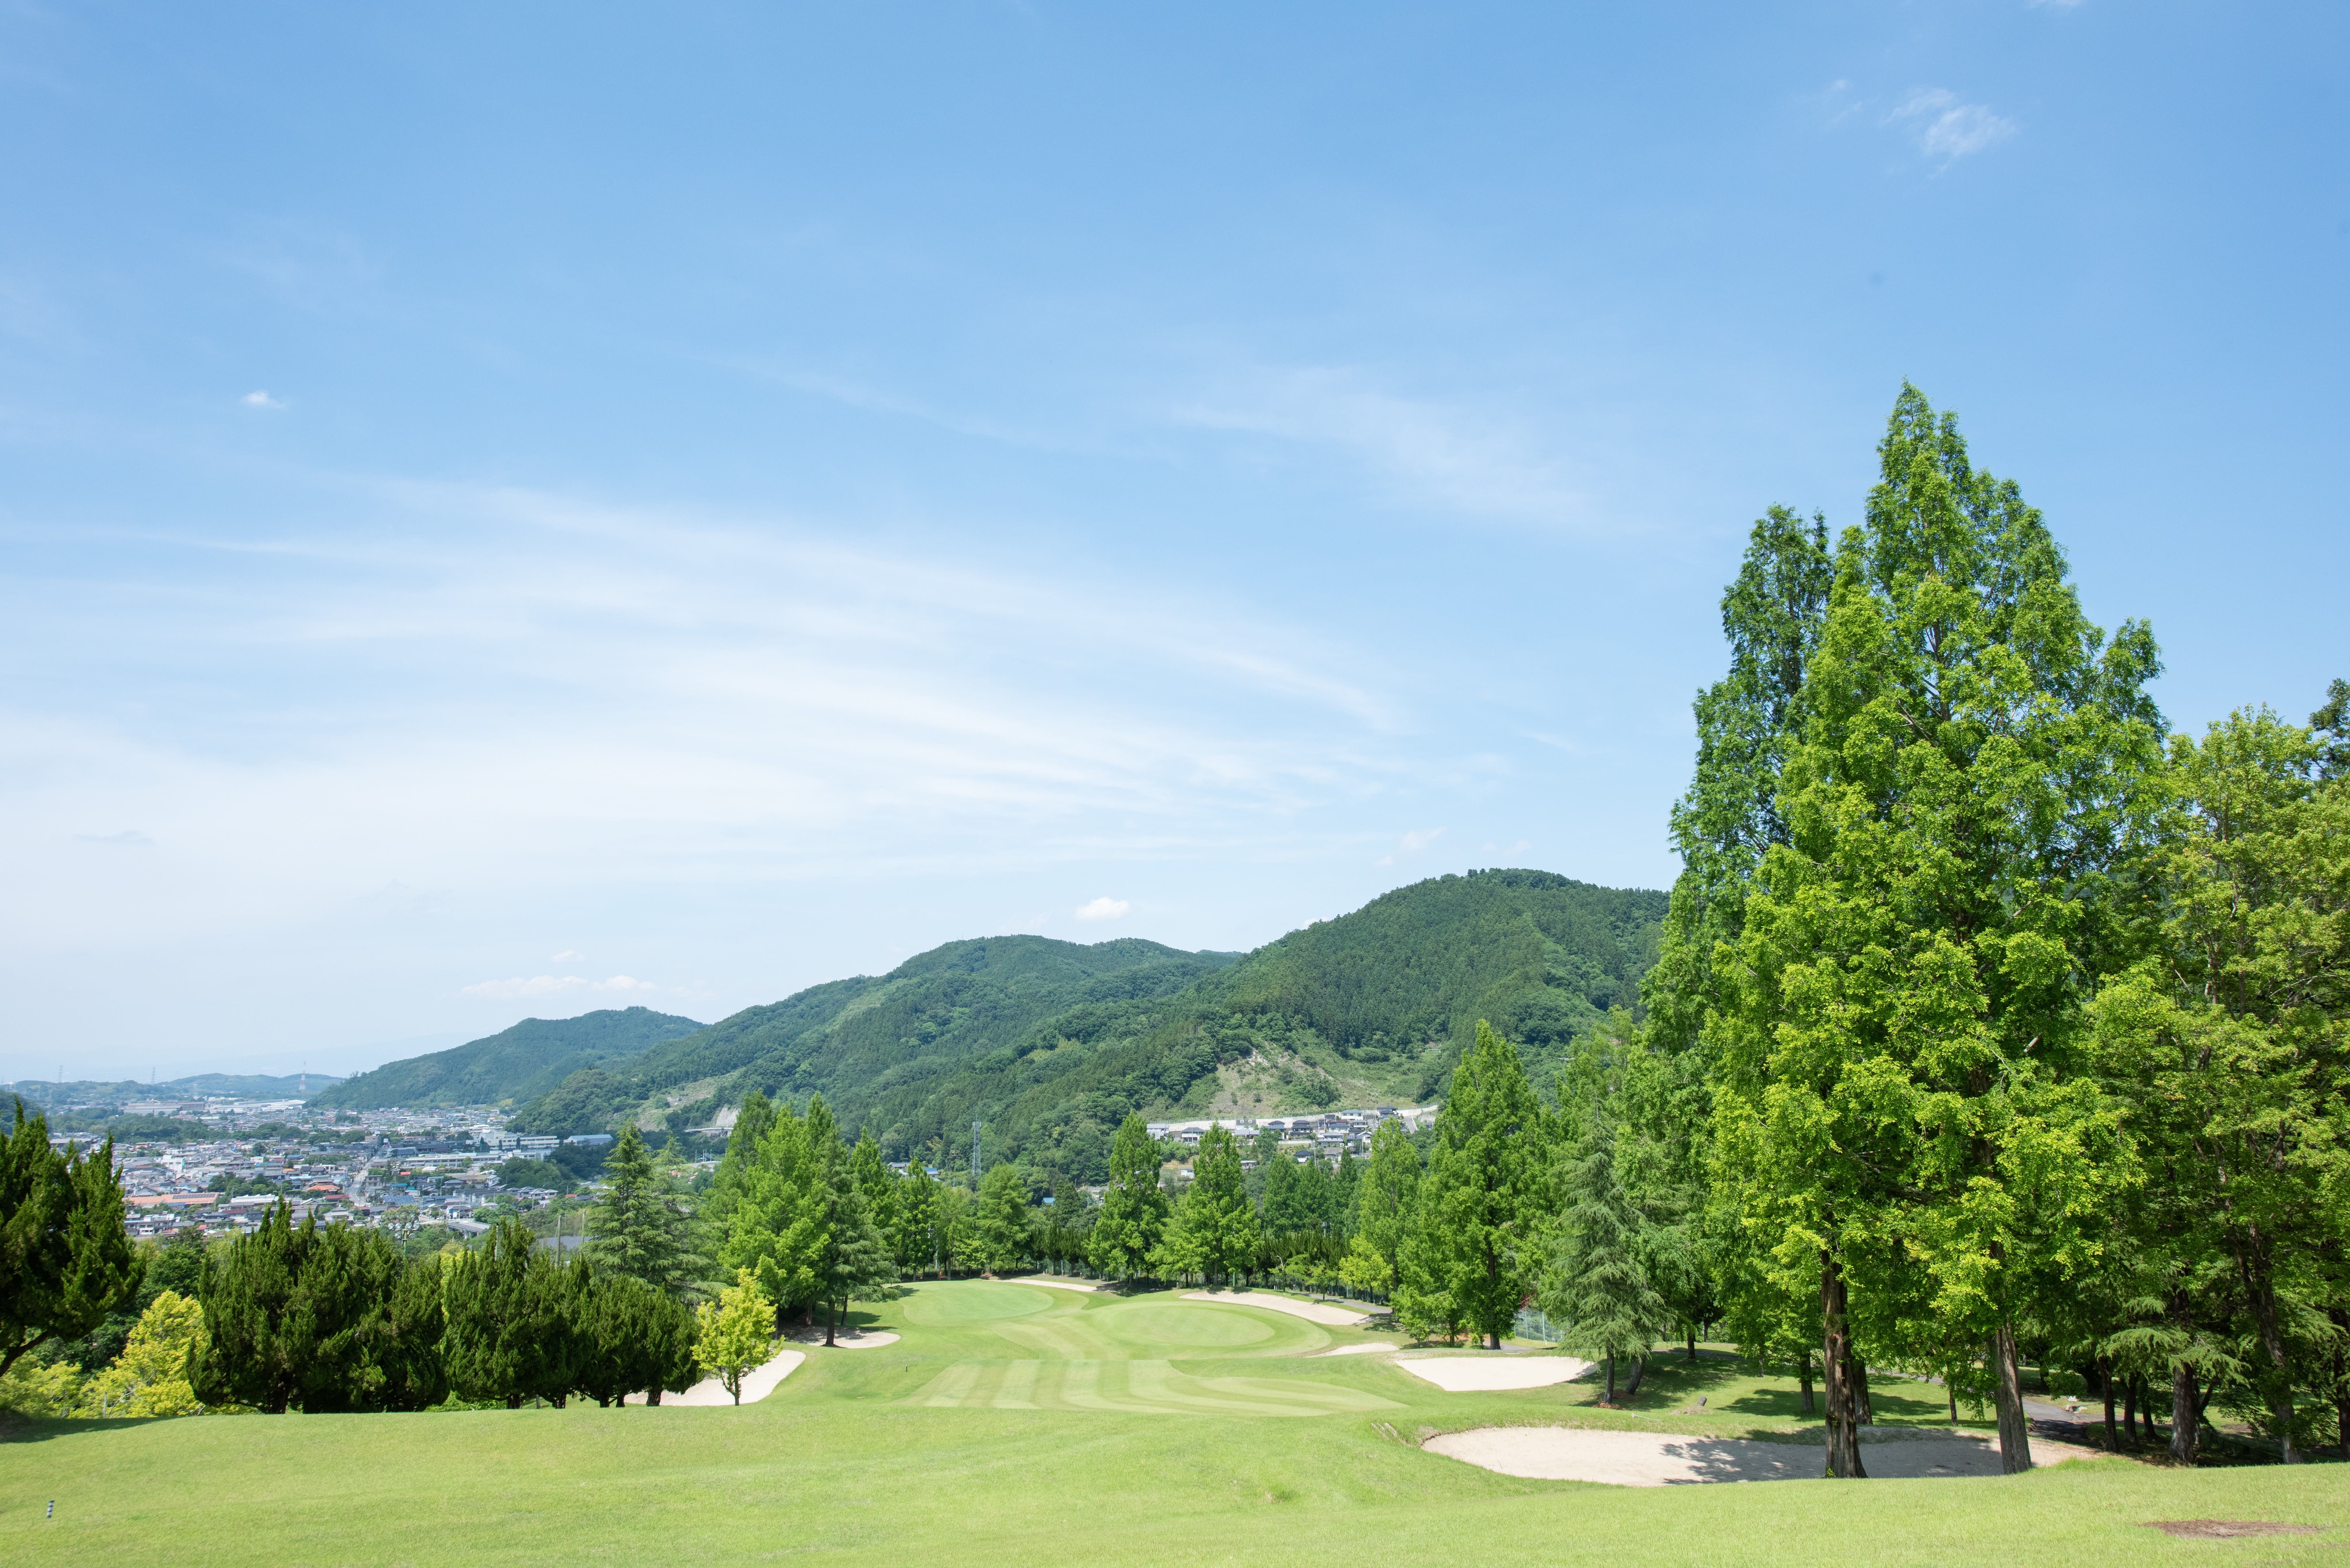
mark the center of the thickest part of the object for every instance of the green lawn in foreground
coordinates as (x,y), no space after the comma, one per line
(971,1441)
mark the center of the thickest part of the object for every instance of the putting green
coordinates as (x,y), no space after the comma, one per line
(974,1301)
(1023,1348)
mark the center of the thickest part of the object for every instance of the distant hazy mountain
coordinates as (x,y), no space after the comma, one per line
(1050,1044)
(234,1086)
(515,1065)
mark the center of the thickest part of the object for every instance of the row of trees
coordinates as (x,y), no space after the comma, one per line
(334,1318)
(1986,1016)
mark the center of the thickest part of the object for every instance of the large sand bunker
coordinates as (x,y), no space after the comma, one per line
(1665,1459)
(1312,1312)
(757,1384)
(1058,1284)
(1376,1345)
(1480,1374)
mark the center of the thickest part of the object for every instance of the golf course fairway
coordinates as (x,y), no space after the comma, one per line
(1016,1424)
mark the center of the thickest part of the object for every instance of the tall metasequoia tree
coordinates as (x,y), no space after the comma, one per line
(1482,1197)
(2232,1048)
(1902,1016)
(1133,1209)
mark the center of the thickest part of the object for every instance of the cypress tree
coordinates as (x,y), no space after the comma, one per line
(638,1228)
(1001,1220)
(1595,1287)
(65,1260)
(914,1235)
(253,1349)
(504,1324)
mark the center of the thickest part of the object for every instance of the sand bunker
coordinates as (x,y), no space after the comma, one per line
(1354,1349)
(1664,1458)
(757,1384)
(1057,1284)
(1482,1375)
(849,1340)
(1312,1311)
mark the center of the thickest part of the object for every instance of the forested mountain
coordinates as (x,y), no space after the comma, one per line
(870,1036)
(1051,1044)
(515,1064)
(241,1085)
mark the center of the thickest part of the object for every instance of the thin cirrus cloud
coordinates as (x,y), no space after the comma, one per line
(257,398)
(1424,452)
(1103,908)
(552,985)
(1411,843)
(590,694)
(1949,129)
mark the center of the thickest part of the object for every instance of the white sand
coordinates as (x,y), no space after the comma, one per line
(1664,1458)
(1056,1282)
(1355,1349)
(757,1384)
(847,1339)
(1312,1311)
(1479,1374)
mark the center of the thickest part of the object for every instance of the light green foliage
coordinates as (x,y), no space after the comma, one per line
(1904,1022)
(775,1223)
(1214,1235)
(1386,1194)
(1484,1193)
(65,1261)
(732,1334)
(533,1058)
(640,1227)
(1133,1209)
(914,1212)
(1595,1287)
(151,1376)
(2232,1051)
(1000,1220)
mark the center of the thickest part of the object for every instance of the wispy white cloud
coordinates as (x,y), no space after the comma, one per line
(257,398)
(1949,129)
(1411,843)
(552,985)
(1424,451)
(1103,908)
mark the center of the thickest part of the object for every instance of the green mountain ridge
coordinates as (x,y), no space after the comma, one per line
(1051,1044)
(519,1064)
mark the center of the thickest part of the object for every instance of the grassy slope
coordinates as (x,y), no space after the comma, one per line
(847,1462)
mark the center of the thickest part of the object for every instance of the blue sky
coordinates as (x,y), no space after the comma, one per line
(512,510)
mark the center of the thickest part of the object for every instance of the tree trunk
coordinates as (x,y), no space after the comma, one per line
(2014,1426)
(1611,1377)
(2184,1420)
(1836,1361)
(2279,1391)
(1691,1328)
(652,1395)
(831,1321)
(1639,1365)
(1950,1392)
(2130,1409)
(1492,1340)
(2341,1318)
(513,1401)
(1860,1392)
(1804,1378)
(2106,1377)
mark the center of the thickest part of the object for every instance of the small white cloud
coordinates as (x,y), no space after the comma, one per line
(566,956)
(552,985)
(1952,129)
(129,838)
(257,398)
(1420,838)
(1103,908)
